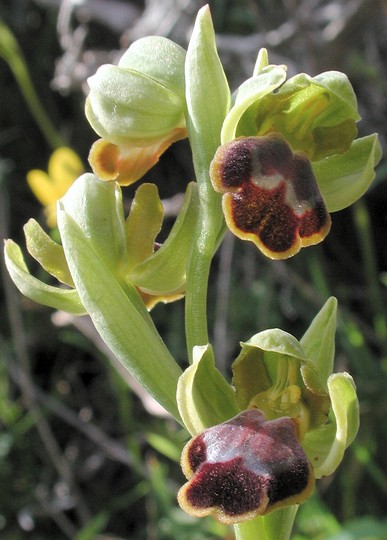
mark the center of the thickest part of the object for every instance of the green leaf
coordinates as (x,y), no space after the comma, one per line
(165,271)
(204,397)
(130,336)
(326,445)
(164,446)
(344,178)
(254,370)
(48,253)
(248,94)
(63,299)
(318,343)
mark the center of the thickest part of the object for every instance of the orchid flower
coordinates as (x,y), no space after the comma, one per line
(137,108)
(289,156)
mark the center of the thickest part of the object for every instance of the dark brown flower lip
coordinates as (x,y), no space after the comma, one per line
(270,195)
(245,467)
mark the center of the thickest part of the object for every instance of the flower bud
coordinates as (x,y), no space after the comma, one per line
(141,100)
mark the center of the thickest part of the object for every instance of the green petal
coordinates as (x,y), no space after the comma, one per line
(203,395)
(48,253)
(344,178)
(96,206)
(318,344)
(63,299)
(325,446)
(165,271)
(254,370)
(143,224)
(129,334)
(249,93)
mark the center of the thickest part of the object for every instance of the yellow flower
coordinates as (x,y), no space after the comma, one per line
(64,167)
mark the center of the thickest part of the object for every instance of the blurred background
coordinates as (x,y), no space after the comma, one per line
(84,454)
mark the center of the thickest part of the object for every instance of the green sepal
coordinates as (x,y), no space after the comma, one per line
(254,370)
(344,178)
(317,115)
(47,252)
(96,206)
(326,445)
(125,106)
(160,59)
(342,98)
(204,397)
(143,224)
(127,332)
(165,270)
(63,299)
(250,92)
(341,90)
(318,344)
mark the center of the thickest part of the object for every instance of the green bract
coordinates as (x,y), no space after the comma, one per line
(204,397)
(317,116)
(139,101)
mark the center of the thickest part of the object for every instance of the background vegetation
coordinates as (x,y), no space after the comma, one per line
(84,454)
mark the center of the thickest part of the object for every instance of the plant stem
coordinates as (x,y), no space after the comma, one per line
(275,526)
(10,51)
(362,221)
(208,100)
(198,272)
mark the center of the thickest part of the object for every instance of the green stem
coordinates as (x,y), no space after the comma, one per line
(203,249)
(371,272)
(275,526)
(10,51)
(208,100)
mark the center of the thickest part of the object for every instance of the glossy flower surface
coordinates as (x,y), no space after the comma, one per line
(271,196)
(244,467)
(64,167)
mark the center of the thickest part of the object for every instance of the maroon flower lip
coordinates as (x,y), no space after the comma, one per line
(244,467)
(270,195)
